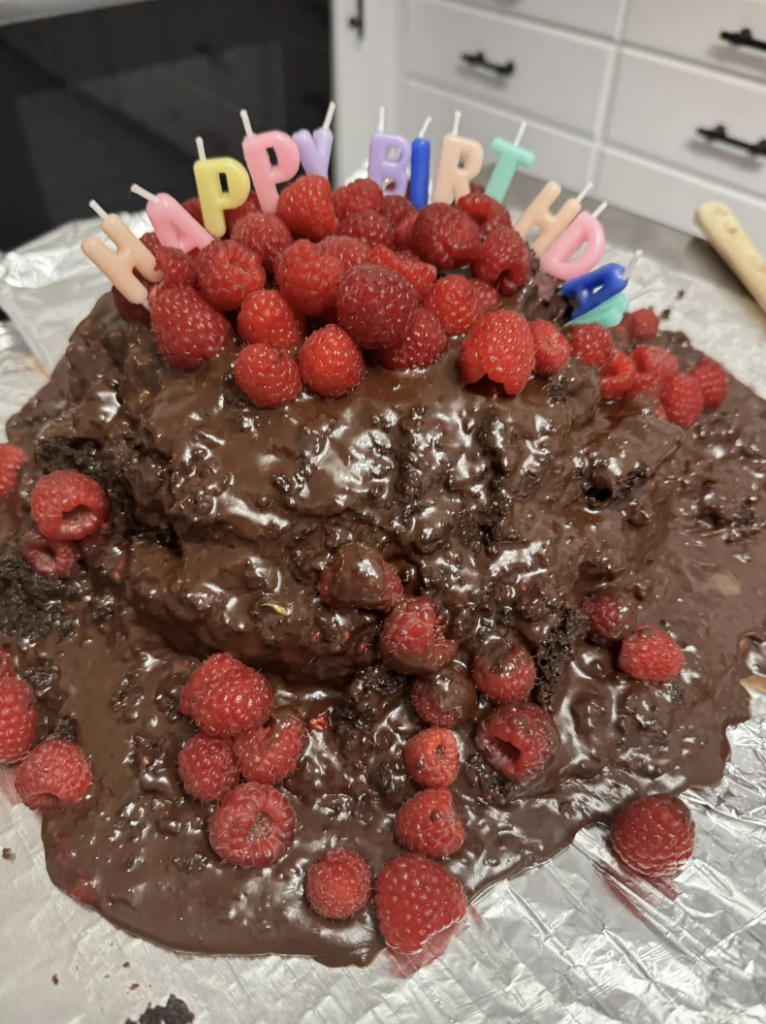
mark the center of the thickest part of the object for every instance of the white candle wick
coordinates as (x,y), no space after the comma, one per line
(150,197)
(381,119)
(424,129)
(201,155)
(584,192)
(246,122)
(456,122)
(599,210)
(332,107)
(146,305)
(520,133)
(633,261)
(97,208)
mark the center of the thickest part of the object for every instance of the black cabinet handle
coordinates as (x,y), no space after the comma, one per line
(478,60)
(357,22)
(718,134)
(744,38)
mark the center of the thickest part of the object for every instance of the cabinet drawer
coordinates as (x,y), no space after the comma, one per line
(600,17)
(658,105)
(692,29)
(556,75)
(561,157)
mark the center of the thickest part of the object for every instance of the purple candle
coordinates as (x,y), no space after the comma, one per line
(383,166)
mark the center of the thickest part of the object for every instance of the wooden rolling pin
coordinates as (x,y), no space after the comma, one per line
(735,247)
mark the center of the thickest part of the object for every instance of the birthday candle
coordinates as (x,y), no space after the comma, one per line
(315,147)
(598,293)
(452,180)
(173,225)
(585,230)
(266,175)
(212,198)
(511,157)
(383,168)
(608,314)
(538,214)
(131,255)
(420,169)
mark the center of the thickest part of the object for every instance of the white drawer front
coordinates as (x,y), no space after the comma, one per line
(601,17)
(559,156)
(555,75)
(692,29)
(658,105)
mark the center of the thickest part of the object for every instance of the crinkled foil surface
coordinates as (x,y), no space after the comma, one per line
(575,940)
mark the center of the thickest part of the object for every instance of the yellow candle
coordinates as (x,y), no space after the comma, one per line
(538,214)
(212,198)
(452,179)
(131,255)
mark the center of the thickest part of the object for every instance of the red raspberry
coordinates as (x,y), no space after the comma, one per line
(683,400)
(551,348)
(444,236)
(500,347)
(269,376)
(503,260)
(650,654)
(506,672)
(611,615)
(659,412)
(48,557)
(130,311)
(306,208)
(339,884)
(592,344)
(66,505)
(372,227)
(177,266)
(207,767)
(252,825)
(412,637)
(518,740)
(655,365)
(356,197)
(57,773)
(152,243)
(711,378)
(265,234)
(625,330)
(646,325)
(425,343)
(432,758)
(376,306)
(427,823)
(350,251)
(330,363)
(654,836)
(265,317)
(12,458)
(271,751)
(359,577)
(226,697)
(7,667)
(188,329)
(420,275)
(396,208)
(488,296)
(485,211)
(227,272)
(194,207)
(617,378)
(403,231)
(416,898)
(446,699)
(455,302)
(308,278)
(233,217)
(18,718)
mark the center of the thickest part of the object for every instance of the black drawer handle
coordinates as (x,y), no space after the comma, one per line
(718,134)
(744,38)
(357,22)
(478,60)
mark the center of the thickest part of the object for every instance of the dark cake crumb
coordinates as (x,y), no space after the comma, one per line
(8,853)
(175,1011)
(557,651)
(55,979)
(30,605)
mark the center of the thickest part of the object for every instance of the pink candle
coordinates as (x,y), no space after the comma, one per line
(452,179)
(585,230)
(315,147)
(266,176)
(538,214)
(385,168)
(173,225)
(131,255)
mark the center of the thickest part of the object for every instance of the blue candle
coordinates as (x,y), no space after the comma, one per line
(511,156)
(593,289)
(420,168)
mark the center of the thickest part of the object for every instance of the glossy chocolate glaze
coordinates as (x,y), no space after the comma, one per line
(507,510)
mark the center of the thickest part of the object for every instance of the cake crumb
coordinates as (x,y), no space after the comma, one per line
(134,986)
(55,979)
(126,964)
(175,1011)
(8,853)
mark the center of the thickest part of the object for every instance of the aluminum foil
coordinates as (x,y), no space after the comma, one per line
(574,941)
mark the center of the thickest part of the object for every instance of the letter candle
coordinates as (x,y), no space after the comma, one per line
(266,176)
(585,230)
(459,163)
(212,198)
(511,156)
(173,225)
(131,255)
(599,293)
(420,170)
(538,214)
(385,168)
(315,147)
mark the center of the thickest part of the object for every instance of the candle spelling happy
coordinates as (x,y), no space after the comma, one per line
(459,163)
(265,174)
(213,199)
(315,147)
(173,225)
(131,254)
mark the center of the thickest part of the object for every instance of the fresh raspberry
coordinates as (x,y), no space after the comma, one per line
(131,312)
(152,243)
(660,413)
(425,343)
(227,272)
(625,330)
(611,614)
(7,667)
(489,297)
(500,347)
(359,577)
(518,740)
(650,654)
(503,260)
(455,302)
(420,275)
(12,458)
(412,637)
(194,207)
(372,227)
(444,236)
(265,234)
(358,196)
(617,378)
(265,317)
(376,306)
(416,898)
(226,697)
(48,557)
(57,773)
(66,505)
(187,328)
(177,266)
(683,400)
(350,251)
(655,365)
(308,278)
(646,325)
(592,344)
(207,767)
(711,378)
(18,718)
(252,825)
(233,217)
(654,836)
(330,363)
(396,208)
(505,672)
(403,231)
(551,348)
(427,823)
(446,698)
(271,751)
(339,884)
(432,758)
(269,376)
(485,211)
(306,208)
